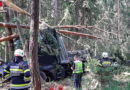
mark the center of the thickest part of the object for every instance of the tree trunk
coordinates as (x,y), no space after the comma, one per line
(40,10)
(33,46)
(55,2)
(24,42)
(118,6)
(6,52)
(9,31)
(9,37)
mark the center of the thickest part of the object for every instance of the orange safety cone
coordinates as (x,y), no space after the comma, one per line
(60,87)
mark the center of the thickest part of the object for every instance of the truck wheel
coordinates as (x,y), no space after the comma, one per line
(43,75)
(48,79)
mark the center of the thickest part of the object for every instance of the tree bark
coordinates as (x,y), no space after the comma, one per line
(118,11)
(55,2)
(24,42)
(9,31)
(8,37)
(6,52)
(33,46)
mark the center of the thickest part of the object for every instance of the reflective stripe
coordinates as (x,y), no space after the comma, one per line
(27,78)
(78,67)
(100,64)
(16,72)
(106,63)
(14,67)
(6,71)
(20,85)
(7,76)
(19,88)
(26,70)
(19,70)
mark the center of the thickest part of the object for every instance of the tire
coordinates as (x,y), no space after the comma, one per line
(48,79)
(43,75)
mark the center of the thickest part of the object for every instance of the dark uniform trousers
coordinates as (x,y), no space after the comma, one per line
(77,81)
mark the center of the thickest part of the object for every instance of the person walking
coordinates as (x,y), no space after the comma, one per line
(77,68)
(18,72)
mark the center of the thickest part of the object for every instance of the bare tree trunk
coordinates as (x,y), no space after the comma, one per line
(77,11)
(40,7)
(118,6)
(33,46)
(55,2)
(9,31)
(24,42)
(6,52)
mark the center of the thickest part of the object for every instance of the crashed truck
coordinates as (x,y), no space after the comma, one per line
(53,56)
(54,60)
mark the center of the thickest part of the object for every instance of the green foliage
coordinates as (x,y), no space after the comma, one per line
(92,64)
(68,13)
(1,17)
(112,85)
(18,44)
(104,70)
(92,11)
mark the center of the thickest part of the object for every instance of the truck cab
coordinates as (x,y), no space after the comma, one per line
(53,56)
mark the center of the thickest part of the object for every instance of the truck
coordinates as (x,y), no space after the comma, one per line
(53,56)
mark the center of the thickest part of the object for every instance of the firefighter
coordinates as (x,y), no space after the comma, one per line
(105,61)
(2,67)
(18,72)
(77,68)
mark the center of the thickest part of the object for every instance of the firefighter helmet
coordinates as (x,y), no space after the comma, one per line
(19,52)
(104,54)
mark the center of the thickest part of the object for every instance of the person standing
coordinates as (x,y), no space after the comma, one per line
(105,61)
(18,72)
(77,68)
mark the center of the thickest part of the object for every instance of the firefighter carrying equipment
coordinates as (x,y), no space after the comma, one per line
(78,67)
(19,74)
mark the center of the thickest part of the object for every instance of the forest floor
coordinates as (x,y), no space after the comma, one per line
(67,84)
(90,81)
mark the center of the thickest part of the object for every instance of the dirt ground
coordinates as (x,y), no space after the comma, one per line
(66,83)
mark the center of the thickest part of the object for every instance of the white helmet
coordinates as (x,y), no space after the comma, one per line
(19,52)
(104,54)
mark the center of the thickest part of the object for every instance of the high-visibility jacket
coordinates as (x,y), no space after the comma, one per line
(19,74)
(78,67)
(105,62)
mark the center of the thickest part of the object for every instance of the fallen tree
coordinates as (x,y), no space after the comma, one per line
(60,31)
(15,7)
(84,27)
(77,34)
(7,25)
(8,37)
